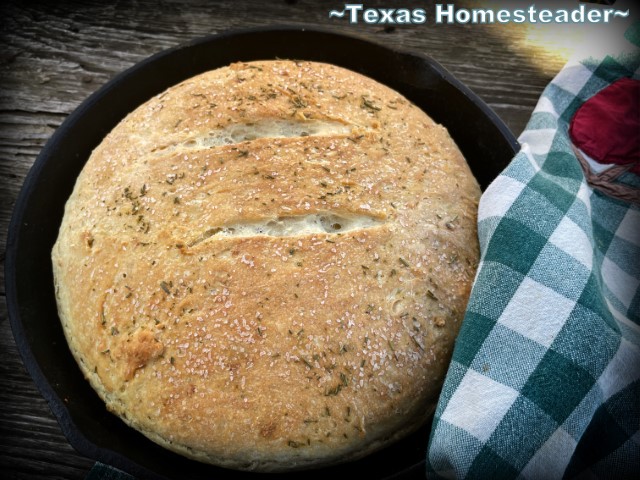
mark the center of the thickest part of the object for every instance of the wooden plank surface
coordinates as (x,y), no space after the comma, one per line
(53,55)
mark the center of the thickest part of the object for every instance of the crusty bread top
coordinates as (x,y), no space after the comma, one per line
(265,266)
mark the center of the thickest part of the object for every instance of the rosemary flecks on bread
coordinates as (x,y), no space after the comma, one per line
(265,266)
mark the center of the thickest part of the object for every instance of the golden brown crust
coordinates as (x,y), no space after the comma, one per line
(265,267)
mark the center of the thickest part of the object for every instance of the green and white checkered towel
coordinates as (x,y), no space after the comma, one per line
(545,377)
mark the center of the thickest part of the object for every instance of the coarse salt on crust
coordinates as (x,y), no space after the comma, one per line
(265,266)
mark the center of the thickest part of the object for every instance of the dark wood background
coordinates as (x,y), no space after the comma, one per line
(55,54)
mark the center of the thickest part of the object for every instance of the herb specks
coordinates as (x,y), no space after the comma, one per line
(165,287)
(369,105)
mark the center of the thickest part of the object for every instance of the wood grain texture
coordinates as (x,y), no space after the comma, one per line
(54,55)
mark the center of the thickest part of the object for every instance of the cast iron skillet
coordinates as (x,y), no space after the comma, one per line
(485,141)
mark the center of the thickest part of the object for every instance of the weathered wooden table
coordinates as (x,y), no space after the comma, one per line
(53,56)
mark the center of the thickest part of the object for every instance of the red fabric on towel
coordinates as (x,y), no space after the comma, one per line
(607,126)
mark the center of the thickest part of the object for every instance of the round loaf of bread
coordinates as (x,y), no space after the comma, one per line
(265,267)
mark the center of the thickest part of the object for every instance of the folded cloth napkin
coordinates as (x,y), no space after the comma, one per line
(545,377)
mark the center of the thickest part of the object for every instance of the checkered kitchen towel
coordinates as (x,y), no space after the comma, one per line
(545,377)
